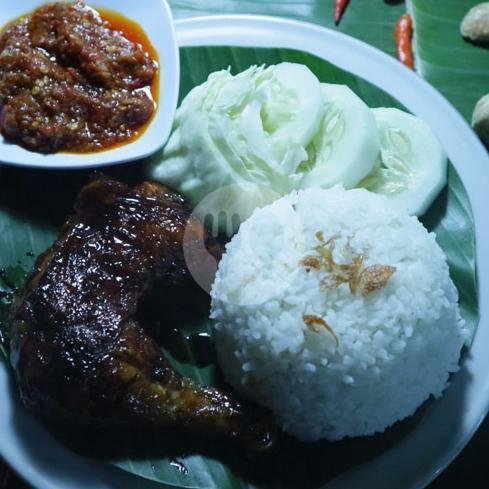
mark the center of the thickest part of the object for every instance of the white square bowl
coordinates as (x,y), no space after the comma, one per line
(154,16)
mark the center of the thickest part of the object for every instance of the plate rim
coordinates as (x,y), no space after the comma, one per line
(221,29)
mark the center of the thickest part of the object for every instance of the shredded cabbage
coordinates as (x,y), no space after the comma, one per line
(260,127)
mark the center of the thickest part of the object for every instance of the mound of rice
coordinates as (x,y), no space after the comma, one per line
(300,329)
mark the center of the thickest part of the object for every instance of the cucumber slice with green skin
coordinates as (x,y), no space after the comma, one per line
(346,147)
(289,107)
(412,167)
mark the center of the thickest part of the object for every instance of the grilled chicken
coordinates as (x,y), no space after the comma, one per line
(78,349)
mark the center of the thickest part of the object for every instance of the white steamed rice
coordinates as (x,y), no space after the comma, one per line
(396,346)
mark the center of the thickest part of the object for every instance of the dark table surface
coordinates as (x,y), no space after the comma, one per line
(470,469)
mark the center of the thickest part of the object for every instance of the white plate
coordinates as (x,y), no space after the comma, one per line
(154,16)
(450,421)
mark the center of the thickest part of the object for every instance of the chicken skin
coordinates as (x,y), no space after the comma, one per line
(78,350)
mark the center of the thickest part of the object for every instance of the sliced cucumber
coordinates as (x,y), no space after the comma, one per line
(289,107)
(346,147)
(412,167)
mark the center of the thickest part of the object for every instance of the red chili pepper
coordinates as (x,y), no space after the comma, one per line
(339,8)
(403,34)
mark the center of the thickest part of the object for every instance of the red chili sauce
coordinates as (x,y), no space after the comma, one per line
(75,79)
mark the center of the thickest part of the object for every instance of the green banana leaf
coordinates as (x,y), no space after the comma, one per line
(371,21)
(33,204)
(458,68)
